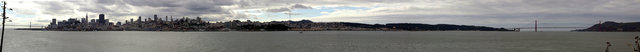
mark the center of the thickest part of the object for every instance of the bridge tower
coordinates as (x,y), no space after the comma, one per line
(536,26)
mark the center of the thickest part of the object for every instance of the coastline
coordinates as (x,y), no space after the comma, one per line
(41,29)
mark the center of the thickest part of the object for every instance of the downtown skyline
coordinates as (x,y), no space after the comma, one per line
(493,13)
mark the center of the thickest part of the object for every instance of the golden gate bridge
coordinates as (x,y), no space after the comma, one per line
(536,27)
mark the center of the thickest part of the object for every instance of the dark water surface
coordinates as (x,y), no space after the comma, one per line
(315,41)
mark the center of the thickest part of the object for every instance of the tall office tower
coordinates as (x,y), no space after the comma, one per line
(186,19)
(155,18)
(107,21)
(131,20)
(101,19)
(200,19)
(72,21)
(148,20)
(118,23)
(166,18)
(83,20)
(139,19)
(93,20)
(53,22)
(86,18)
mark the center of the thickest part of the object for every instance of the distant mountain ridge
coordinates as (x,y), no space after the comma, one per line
(425,27)
(611,26)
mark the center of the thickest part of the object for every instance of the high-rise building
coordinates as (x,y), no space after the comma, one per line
(73,21)
(155,18)
(53,22)
(107,21)
(131,21)
(86,18)
(200,19)
(101,19)
(64,22)
(93,20)
(118,23)
(83,20)
(139,19)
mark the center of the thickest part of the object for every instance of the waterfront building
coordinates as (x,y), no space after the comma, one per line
(118,23)
(53,22)
(139,19)
(83,20)
(73,21)
(155,18)
(86,18)
(107,21)
(101,19)
(131,21)
(93,21)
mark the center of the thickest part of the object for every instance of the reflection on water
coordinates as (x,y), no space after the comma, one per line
(315,41)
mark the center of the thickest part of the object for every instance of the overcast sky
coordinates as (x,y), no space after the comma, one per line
(493,13)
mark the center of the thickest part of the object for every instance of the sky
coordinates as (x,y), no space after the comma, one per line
(492,13)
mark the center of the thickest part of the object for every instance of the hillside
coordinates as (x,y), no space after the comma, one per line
(611,26)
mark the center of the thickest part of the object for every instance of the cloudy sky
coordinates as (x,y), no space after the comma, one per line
(493,13)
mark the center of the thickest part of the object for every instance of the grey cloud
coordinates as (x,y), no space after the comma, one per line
(107,2)
(278,9)
(262,3)
(173,7)
(300,6)
(96,9)
(493,20)
(154,3)
(121,8)
(56,8)
(483,11)
(285,9)
(43,21)
(514,12)
(293,13)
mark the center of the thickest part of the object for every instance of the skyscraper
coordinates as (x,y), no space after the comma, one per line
(118,23)
(106,21)
(101,19)
(131,21)
(83,20)
(155,18)
(200,19)
(93,20)
(139,19)
(53,22)
(73,21)
(86,18)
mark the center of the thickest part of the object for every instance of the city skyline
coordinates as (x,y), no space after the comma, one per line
(197,24)
(493,13)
